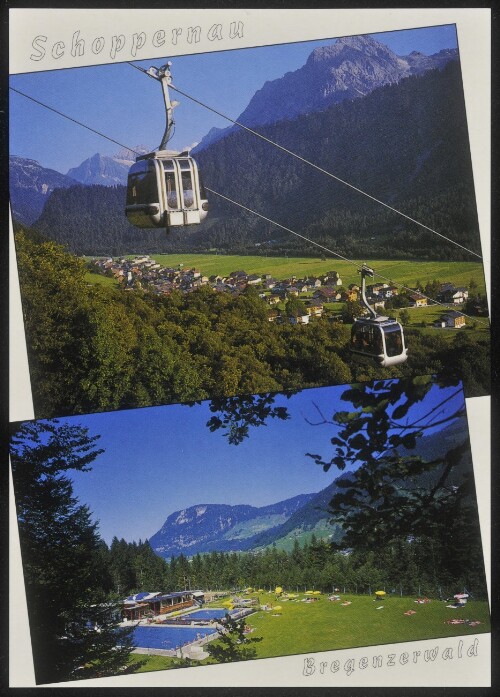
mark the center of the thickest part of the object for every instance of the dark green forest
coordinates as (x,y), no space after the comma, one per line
(405,144)
(419,567)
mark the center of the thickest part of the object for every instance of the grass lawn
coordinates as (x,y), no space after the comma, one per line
(148,663)
(299,627)
(433,312)
(325,625)
(99,279)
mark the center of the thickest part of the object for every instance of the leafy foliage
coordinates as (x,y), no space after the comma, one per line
(394,495)
(238,414)
(233,644)
(60,551)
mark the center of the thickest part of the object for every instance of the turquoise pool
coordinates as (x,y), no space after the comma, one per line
(167,636)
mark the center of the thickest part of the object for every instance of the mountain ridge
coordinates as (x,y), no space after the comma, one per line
(30,185)
(204,528)
(347,69)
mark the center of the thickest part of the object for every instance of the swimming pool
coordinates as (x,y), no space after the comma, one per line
(213,613)
(167,637)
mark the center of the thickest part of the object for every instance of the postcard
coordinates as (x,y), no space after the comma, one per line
(214,206)
(250,528)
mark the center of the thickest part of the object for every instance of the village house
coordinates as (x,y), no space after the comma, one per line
(417,300)
(238,275)
(377,303)
(327,294)
(141,605)
(302,287)
(387,291)
(377,288)
(450,294)
(349,295)
(313,283)
(331,278)
(315,309)
(299,319)
(453,319)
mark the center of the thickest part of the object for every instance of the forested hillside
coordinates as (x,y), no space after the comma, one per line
(405,144)
(94,348)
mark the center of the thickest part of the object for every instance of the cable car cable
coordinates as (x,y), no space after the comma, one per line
(330,251)
(70,118)
(337,254)
(317,167)
(270,220)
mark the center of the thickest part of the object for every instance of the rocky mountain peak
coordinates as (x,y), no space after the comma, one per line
(349,68)
(349,45)
(100,169)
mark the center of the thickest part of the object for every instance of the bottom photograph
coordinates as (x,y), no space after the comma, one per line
(248,527)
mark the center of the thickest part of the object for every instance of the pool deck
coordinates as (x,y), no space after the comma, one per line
(161,620)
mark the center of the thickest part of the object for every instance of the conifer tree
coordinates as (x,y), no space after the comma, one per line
(74,627)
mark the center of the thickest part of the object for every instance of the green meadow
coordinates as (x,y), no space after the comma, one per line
(294,627)
(100,280)
(404,272)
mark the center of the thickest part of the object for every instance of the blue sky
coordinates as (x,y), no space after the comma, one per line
(160,460)
(128,106)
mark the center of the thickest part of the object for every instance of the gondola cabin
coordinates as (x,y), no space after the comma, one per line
(380,338)
(164,189)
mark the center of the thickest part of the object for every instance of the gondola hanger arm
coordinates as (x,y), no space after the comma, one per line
(366,271)
(164,75)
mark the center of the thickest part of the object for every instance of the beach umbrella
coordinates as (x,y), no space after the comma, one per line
(460,596)
(316,592)
(309,592)
(380,593)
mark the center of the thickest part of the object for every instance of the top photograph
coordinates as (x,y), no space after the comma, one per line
(247,221)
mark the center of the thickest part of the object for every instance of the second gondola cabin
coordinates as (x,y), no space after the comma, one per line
(380,338)
(164,189)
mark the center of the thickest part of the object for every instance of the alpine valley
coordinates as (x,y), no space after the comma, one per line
(241,528)
(394,126)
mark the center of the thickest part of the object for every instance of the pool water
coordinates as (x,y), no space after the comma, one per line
(213,613)
(167,637)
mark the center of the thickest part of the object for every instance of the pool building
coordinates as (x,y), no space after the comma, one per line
(143,605)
